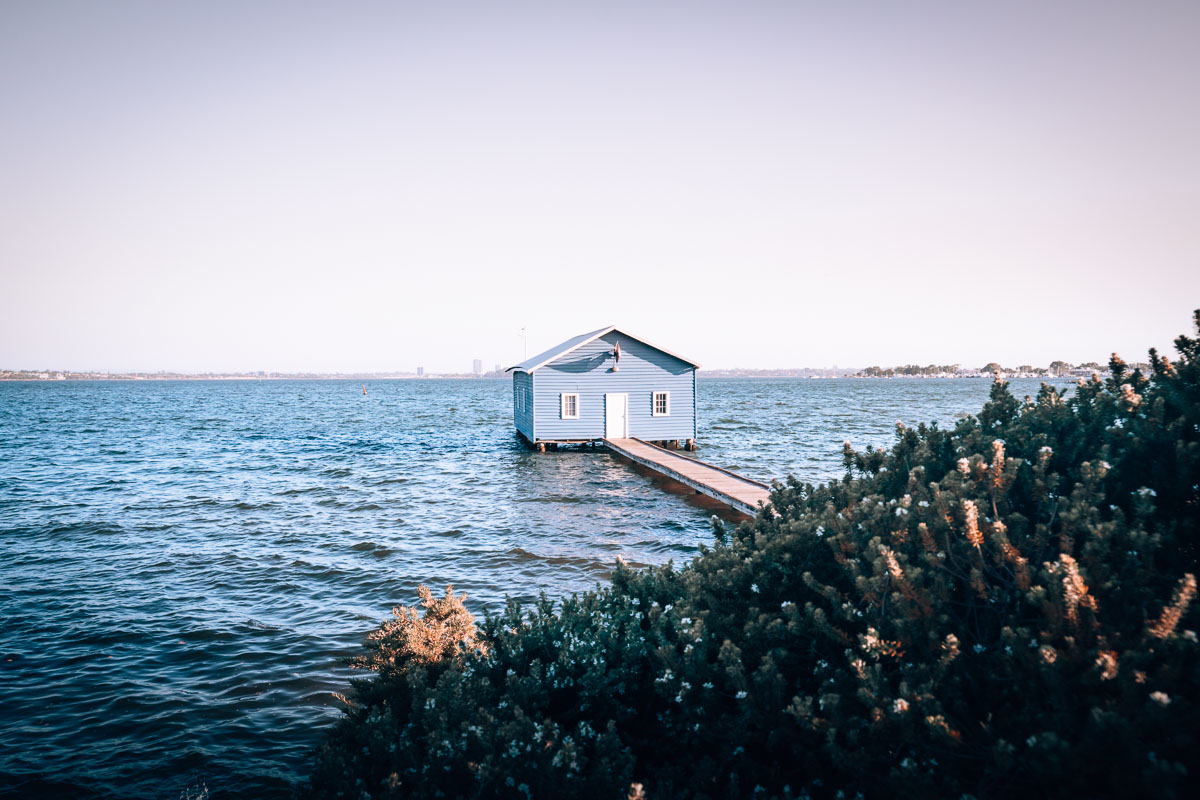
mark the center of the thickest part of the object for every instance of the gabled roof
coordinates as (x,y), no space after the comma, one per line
(559,350)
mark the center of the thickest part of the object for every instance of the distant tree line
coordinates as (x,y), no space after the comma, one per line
(1057,369)
(911,369)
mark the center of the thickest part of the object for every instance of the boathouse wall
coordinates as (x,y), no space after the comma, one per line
(588,371)
(523,404)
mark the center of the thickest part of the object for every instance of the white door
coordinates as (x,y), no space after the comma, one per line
(616,416)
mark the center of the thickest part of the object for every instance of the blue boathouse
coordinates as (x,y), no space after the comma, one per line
(605,384)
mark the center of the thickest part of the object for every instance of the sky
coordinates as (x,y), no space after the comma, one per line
(376,186)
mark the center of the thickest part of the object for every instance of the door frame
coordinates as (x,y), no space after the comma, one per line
(625,434)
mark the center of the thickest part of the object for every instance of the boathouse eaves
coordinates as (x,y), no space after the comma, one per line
(565,348)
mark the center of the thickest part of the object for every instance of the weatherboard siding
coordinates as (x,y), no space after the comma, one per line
(523,410)
(587,371)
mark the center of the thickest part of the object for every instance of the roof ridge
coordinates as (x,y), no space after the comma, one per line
(575,342)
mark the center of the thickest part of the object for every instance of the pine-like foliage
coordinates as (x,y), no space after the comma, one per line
(1001,609)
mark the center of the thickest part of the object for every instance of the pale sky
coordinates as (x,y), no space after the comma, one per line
(359,186)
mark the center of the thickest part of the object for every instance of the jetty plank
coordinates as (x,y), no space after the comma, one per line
(741,494)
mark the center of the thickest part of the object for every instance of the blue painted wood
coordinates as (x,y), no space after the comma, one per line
(523,403)
(588,372)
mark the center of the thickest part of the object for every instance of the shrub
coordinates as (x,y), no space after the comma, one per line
(1001,608)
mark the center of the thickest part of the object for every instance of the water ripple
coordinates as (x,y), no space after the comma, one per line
(185,566)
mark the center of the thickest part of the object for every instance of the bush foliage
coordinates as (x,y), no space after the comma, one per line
(1001,608)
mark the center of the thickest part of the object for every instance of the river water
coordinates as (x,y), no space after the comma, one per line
(185,565)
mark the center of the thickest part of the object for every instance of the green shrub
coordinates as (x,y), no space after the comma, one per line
(999,609)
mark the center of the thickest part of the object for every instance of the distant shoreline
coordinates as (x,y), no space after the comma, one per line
(54,378)
(22,377)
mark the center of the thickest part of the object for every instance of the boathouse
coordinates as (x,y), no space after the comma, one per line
(606,384)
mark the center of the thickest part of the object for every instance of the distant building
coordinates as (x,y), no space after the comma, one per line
(497,369)
(605,384)
(420,371)
(478,366)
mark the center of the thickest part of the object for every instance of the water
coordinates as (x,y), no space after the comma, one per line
(185,565)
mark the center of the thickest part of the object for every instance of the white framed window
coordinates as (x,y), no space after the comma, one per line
(569,406)
(661,404)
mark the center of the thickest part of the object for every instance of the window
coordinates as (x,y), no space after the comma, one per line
(570,406)
(521,398)
(662,404)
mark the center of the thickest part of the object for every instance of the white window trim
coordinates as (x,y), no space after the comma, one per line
(562,405)
(654,404)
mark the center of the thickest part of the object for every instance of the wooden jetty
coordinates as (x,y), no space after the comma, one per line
(741,494)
